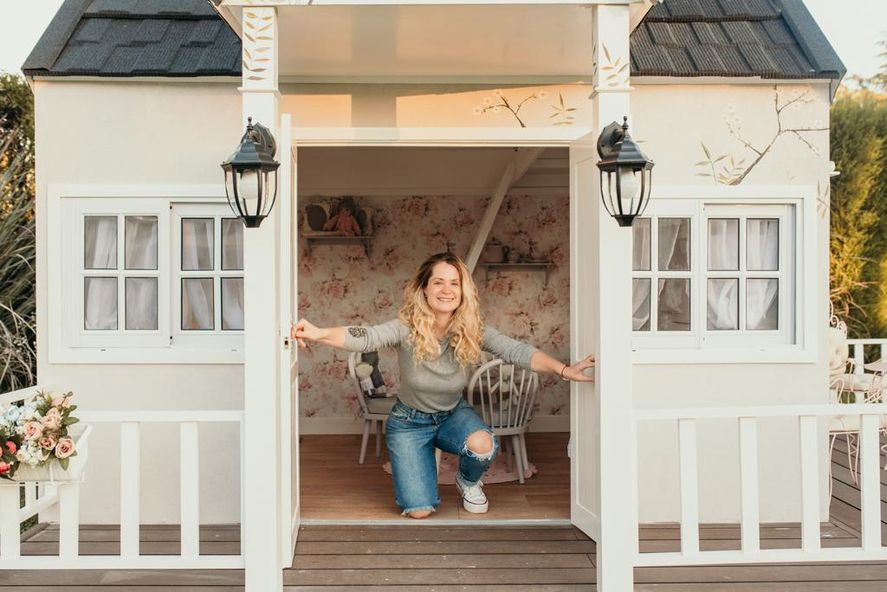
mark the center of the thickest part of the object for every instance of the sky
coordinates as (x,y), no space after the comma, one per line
(854,28)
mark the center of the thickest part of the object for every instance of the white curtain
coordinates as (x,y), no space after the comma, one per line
(762,304)
(140,248)
(100,304)
(197,244)
(100,242)
(723,244)
(232,304)
(640,244)
(674,305)
(723,304)
(674,244)
(197,304)
(141,303)
(640,304)
(232,244)
(762,244)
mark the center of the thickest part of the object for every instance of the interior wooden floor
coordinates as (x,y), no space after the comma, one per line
(335,487)
(471,557)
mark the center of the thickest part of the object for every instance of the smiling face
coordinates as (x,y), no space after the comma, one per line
(444,289)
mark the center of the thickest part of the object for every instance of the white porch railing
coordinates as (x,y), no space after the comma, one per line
(812,444)
(67,497)
(862,349)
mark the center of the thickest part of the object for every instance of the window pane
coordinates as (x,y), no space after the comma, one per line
(674,244)
(674,305)
(762,304)
(197,244)
(723,304)
(140,242)
(762,244)
(232,304)
(100,242)
(141,303)
(640,240)
(640,304)
(723,244)
(100,304)
(198,310)
(232,244)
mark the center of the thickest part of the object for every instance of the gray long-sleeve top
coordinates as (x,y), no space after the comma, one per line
(433,385)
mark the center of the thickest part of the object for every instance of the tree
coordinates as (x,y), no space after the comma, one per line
(858,263)
(17,236)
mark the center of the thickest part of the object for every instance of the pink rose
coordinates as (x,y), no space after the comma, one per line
(20,456)
(33,430)
(46,442)
(11,447)
(53,419)
(65,447)
(4,468)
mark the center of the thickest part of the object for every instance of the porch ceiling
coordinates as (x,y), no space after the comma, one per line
(435,41)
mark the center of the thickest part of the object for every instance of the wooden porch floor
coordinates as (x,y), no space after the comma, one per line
(472,557)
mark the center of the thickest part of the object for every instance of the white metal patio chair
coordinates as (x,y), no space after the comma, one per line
(506,396)
(373,410)
(847,384)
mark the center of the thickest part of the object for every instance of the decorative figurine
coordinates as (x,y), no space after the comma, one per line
(343,219)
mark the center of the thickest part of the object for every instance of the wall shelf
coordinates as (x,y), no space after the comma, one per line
(337,239)
(545,266)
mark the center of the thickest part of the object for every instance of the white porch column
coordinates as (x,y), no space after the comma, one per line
(618,495)
(261,488)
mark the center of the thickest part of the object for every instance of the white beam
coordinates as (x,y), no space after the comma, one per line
(261,475)
(513,171)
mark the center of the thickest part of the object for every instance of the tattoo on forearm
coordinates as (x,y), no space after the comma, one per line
(357,331)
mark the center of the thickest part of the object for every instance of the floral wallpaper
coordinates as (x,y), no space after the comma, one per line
(338,285)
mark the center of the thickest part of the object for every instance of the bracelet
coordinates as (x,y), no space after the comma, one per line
(562,372)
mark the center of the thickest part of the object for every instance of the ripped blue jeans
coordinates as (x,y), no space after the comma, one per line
(412,436)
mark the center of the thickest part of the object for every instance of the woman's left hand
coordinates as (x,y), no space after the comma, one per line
(576,371)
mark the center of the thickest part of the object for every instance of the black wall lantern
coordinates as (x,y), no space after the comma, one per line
(625,174)
(251,175)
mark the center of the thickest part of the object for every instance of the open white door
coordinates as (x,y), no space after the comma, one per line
(585,477)
(288,390)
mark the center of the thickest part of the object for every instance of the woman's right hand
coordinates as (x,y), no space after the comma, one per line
(304,331)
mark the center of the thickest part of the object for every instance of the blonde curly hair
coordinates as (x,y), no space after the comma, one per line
(466,325)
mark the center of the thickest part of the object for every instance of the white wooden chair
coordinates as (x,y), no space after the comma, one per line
(506,396)
(373,410)
(847,384)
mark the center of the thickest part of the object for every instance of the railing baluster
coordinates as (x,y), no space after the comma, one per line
(810,535)
(129,489)
(858,358)
(30,494)
(689,486)
(10,545)
(748,469)
(190,484)
(870,482)
(69,520)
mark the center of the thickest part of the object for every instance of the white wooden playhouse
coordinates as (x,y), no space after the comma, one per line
(709,326)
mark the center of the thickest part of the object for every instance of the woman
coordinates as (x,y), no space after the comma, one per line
(439,336)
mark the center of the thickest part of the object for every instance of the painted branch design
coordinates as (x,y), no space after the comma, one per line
(727,169)
(562,113)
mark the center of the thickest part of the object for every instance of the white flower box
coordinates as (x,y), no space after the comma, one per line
(53,472)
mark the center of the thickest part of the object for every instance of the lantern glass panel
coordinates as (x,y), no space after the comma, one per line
(248,187)
(630,188)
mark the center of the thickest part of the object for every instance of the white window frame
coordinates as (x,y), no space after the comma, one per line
(785,275)
(795,342)
(215,337)
(69,343)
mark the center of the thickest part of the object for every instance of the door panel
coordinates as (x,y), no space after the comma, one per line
(585,409)
(288,390)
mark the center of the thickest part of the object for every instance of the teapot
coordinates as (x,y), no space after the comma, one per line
(495,252)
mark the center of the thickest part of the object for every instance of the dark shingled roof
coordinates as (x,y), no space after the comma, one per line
(128,38)
(775,39)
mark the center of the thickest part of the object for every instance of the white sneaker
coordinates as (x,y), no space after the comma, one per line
(473,498)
